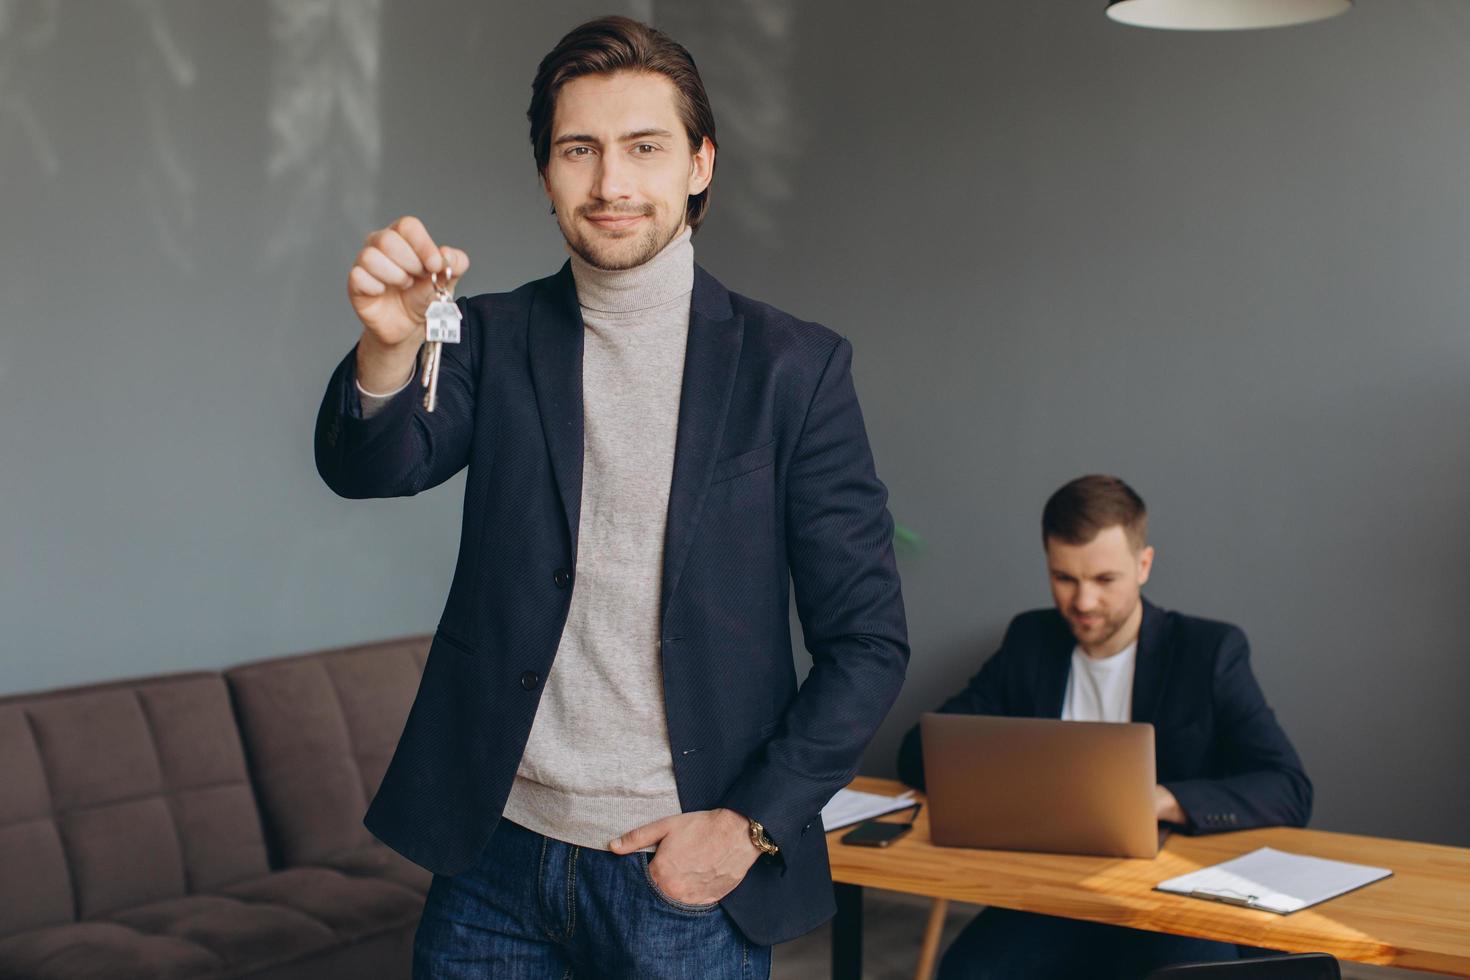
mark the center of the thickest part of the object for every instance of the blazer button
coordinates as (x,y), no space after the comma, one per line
(562,578)
(530,679)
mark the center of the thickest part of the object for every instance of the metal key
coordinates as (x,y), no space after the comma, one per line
(441,326)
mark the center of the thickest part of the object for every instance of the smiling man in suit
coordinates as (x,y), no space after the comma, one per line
(609,765)
(1104,653)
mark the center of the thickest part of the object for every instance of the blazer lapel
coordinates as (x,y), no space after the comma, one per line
(1055,668)
(1151,667)
(711,356)
(555,342)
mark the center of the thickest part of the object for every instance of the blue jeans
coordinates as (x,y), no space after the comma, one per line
(534,907)
(1007,945)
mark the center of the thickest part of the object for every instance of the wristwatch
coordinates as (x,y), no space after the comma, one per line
(760,840)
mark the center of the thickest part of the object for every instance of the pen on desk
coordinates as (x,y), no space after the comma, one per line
(1244,901)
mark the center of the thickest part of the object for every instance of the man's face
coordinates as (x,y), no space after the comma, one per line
(1096,585)
(621,171)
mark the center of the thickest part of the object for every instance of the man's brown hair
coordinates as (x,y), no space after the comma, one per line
(1078,511)
(612,44)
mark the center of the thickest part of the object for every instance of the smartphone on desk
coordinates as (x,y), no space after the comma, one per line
(874,833)
(877,833)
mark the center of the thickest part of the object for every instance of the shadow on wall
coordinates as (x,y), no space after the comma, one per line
(166,75)
(27,36)
(326,138)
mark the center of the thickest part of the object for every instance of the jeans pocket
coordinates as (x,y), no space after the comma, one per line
(682,907)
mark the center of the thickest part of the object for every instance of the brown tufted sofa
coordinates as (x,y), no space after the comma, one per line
(208,824)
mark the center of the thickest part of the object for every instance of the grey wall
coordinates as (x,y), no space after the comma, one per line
(1226,267)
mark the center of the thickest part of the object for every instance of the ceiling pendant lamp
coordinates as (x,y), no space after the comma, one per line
(1223,15)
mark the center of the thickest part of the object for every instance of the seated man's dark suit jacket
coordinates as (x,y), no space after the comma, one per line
(1217,744)
(773,487)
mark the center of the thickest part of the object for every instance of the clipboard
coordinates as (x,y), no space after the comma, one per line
(1274,881)
(851,806)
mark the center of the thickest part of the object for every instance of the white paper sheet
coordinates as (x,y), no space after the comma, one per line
(1273,880)
(850,806)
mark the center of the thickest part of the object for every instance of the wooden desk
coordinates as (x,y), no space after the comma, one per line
(1419,919)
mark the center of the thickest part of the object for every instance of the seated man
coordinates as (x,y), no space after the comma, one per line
(1106,654)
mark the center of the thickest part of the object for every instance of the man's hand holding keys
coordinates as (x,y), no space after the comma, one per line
(390,287)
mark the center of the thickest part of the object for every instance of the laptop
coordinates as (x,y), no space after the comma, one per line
(1039,784)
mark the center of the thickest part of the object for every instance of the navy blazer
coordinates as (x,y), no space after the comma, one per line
(1217,744)
(773,487)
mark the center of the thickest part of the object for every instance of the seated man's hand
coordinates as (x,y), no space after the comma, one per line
(700,857)
(1167,808)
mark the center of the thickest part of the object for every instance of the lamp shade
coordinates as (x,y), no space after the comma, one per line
(1222,15)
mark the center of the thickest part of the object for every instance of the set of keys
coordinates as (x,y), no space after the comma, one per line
(441,326)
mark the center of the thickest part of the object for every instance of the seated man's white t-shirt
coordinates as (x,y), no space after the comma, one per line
(1100,690)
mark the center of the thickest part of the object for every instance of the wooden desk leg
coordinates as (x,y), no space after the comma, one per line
(847,933)
(929,952)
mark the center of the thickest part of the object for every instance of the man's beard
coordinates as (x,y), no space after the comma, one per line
(622,253)
(1105,631)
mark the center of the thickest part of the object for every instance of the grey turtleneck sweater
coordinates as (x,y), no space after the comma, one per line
(598,763)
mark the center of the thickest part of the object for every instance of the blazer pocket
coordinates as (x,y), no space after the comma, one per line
(460,644)
(742,463)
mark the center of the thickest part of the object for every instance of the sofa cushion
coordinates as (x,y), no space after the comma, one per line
(350,907)
(239,934)
(319,730)
(381,861)
(104,951)
(121,794)
(248,927)
(35,888)
(123,854)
